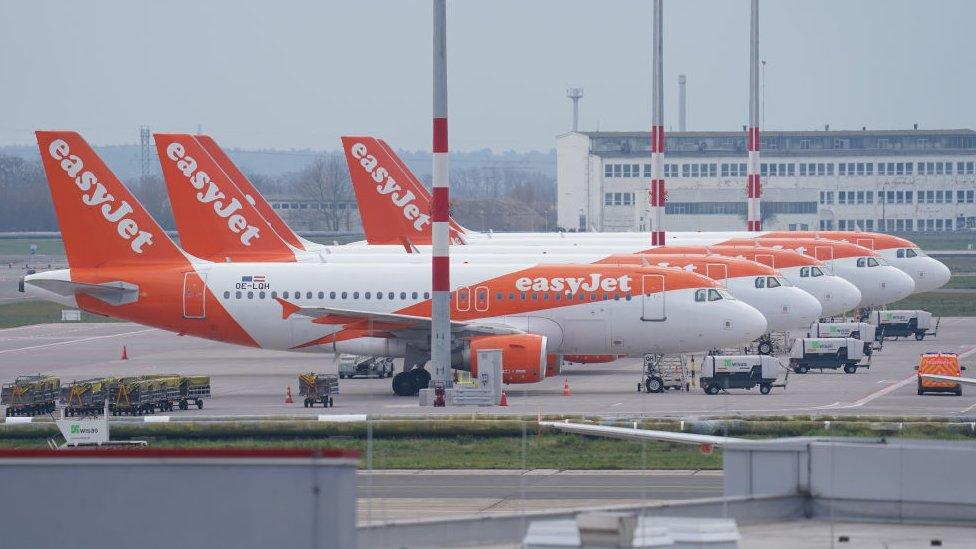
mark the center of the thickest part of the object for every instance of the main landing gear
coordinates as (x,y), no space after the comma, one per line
(411,382)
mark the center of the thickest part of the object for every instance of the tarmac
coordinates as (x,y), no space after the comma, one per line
(254,381)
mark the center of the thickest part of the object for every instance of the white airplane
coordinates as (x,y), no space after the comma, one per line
(122,264)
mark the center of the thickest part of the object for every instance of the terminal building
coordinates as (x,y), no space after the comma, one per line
(886,181)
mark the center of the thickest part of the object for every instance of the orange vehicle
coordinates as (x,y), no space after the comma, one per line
(939,364)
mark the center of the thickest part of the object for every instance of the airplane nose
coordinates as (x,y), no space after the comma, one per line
(844,297)
(807,309)
(749,322)
(899,285)
(936,275)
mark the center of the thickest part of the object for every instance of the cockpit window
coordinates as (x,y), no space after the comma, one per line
(900,253)
(816,271)
(804,272)
(862,261)
(761,282)
(771,282)
(725,294)
(912,252)
(872,262)
(714,295)
(700,295)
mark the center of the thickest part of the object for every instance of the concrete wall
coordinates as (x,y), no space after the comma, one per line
(847,479)
(163,499)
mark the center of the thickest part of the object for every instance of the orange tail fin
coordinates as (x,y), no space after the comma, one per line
(101,222)
(250,192)
(213,217)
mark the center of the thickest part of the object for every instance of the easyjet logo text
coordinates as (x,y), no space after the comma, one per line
(572,285)
(95,195)
(210,193)
(387,186)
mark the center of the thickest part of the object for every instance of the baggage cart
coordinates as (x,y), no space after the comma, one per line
(318,388)
(85,397)
(134,396)
(193,389)
(31,395)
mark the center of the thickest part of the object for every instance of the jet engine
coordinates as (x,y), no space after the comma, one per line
(523,356)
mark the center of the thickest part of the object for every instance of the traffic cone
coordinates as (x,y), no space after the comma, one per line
(125,354)
(288,399)
(504,400)
(566,391)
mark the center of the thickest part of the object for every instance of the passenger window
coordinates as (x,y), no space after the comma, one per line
(771,282)
(274,295)
(261,295)
(482,295)
(250,295)
(713,295)
(344,294)
(403,295)
(557,296)
(321,295)
(367,295)
(426,295)
(804,272)
(861,261)
(237,295)
(523,296)
(900,253)
(872,262)
(390,295)
(761,282)
(535,296)
(499,296)
(331,295)
(284,295)
(379,295)
(298,295)
(226,295)
(816,271)
(413,295)
(594,297)
(355,295)
(700,295)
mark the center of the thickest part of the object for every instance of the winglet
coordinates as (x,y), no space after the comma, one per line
(287,308)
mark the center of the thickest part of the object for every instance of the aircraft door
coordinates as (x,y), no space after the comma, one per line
(194,295)
(719,272)
(462,299)
(481,299)
(652,298)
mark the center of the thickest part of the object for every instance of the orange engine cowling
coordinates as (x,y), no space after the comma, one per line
(523,356)
(554,365)
(590,359)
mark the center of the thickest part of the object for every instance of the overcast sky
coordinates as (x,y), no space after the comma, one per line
(297,74)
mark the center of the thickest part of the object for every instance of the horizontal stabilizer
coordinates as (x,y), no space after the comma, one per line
(113,293)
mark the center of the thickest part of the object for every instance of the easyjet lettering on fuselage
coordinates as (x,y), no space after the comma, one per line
(211,193)
(388,186)
(572,285)
(127,227)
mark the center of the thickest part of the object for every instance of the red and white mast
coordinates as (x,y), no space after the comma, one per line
(657,193)
(754,191)
(440,340)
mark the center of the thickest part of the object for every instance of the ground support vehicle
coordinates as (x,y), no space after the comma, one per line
(31,395)
(944,364)
(85,397)
(143,395)
(365,366)
(856,330)
(662,372)
(907,323)
(721,372)
(318,388)
(827,353)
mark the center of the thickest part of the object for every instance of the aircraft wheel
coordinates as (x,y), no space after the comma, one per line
(655,385)
(765,348)
(403,384)
(421,378)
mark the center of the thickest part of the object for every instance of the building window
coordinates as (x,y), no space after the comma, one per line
(608,199)
(647,170)
(869,197)
(685,170)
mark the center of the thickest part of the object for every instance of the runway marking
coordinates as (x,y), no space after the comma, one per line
(881,392)
(617,404)
(82,340)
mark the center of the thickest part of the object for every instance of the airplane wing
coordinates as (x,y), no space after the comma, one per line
(113,293)
(936,377)
(626,433)
(389,322)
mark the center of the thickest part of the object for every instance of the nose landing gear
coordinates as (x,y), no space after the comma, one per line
(411,382)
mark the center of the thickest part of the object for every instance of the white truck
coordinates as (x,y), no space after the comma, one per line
(720,372)
(895,324)
(827,353)
(856,330)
